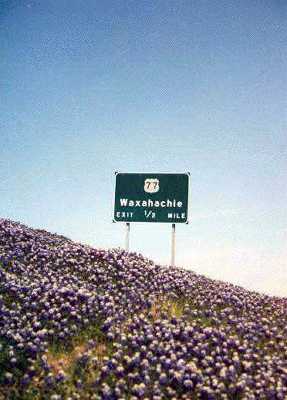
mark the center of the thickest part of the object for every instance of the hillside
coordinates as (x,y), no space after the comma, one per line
(79,323)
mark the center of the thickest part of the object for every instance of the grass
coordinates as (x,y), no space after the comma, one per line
(61,355)
(173,308)
(4,361)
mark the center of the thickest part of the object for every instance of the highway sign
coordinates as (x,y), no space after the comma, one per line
(151,197)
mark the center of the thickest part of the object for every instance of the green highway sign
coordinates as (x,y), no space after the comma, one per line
(151,197)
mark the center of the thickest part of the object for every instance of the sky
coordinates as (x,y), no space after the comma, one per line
(90,87)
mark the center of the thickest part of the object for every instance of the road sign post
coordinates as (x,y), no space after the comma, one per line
(128,228)
(172,263)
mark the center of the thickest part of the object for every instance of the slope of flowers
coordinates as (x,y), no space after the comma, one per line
(81,323)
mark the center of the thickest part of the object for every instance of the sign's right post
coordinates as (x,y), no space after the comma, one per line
(172,263)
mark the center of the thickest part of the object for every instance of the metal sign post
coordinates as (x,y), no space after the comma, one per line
(172,245)
(128,228)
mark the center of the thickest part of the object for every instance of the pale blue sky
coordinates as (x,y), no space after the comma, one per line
(92,87)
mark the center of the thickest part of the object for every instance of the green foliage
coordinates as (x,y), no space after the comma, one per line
(5,366)
(93,331)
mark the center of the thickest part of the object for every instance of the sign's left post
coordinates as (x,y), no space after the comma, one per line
(128,228)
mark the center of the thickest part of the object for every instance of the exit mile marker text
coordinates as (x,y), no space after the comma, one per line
(152,215)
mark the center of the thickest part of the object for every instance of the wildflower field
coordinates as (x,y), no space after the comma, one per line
(82,323)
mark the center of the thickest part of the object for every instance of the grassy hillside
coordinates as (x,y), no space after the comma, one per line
(78,323)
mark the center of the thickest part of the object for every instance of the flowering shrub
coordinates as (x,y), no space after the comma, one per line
(81,323)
